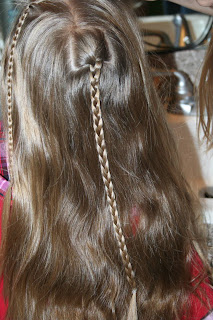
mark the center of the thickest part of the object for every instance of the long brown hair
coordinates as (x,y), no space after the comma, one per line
(60,253)
(205,96)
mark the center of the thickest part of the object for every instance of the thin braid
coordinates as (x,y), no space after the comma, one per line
(104,163)
(9,88)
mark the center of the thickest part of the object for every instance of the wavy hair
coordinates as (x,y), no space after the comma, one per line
(72,67)
(205,97)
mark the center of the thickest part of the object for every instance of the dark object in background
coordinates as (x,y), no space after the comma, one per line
(157,8)
(206,192)
(172,8)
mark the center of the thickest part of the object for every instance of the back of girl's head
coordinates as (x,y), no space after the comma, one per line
(61,254)
(58,43)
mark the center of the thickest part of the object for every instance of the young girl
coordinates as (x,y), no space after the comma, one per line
(101,223)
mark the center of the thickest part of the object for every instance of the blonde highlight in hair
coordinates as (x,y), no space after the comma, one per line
(60,248)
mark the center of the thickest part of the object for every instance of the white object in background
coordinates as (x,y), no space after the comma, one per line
(196,161)
(196,22)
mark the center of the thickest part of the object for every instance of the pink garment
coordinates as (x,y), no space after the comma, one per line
(3,305)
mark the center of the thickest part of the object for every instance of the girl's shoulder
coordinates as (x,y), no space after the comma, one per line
(3,154)
(4,183)
(200,302)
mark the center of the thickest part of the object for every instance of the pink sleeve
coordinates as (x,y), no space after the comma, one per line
(4,183)
(201,301)
(3,306)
